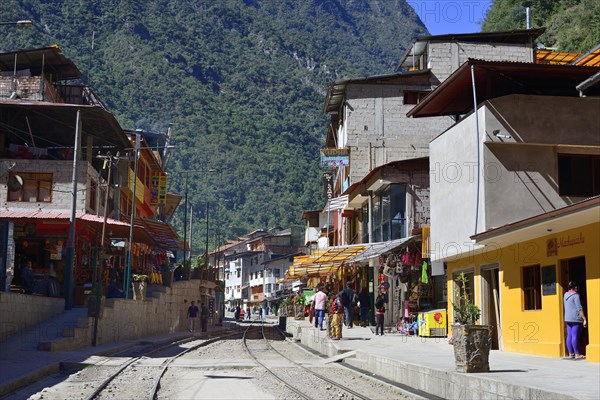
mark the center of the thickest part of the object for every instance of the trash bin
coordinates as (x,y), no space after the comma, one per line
(282,323)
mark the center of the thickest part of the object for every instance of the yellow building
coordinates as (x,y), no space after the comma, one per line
(518,274)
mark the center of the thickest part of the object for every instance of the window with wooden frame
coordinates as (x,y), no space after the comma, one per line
(32,187)
(414,97)
(532,288)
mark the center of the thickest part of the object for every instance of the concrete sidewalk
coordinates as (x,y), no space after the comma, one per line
(427,364)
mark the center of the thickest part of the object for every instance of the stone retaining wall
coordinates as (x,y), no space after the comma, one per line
(19,312)
(164,312)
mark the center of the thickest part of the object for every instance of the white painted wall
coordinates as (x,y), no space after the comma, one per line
(453,188)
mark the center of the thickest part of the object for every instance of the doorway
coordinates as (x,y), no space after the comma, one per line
(573,270)
(490,302)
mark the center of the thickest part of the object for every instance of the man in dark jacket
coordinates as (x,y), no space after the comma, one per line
(349,299)
(204,317)
(364,298)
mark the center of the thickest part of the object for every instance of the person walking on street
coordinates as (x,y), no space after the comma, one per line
(192,314)
(319,302)
(349,299)
(575,320)
(248,315)
(379,313)
(204,317)
(364,300)
(337,310)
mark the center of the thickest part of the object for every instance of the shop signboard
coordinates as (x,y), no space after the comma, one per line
(432,323)
(335,157)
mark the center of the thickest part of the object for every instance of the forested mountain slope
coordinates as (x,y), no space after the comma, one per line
(242,82)
(572,25)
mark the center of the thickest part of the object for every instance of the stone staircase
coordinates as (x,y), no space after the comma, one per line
(79,330)
(38,337)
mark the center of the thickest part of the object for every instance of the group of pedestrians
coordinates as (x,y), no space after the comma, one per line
(241,314)
(341,309)
(192,315)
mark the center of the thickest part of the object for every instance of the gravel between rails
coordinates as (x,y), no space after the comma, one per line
(220,370)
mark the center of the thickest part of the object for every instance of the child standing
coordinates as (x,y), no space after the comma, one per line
(379,313)
(337,310)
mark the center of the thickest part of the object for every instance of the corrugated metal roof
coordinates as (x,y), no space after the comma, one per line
(590,59)
(47,59)
(118,229)
(376,249)
(555,57)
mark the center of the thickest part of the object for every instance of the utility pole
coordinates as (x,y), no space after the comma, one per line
(190,235)
(138,138)
(185,245)
(207,211)
(108,161)
(71,242)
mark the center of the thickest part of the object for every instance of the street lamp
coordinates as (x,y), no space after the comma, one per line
(24,23)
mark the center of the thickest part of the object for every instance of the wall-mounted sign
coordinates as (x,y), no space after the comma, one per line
(158,188)
(548,280)
(571,241)
(328,185)
(551,247)
(335,157)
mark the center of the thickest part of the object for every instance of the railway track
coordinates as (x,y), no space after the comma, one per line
(252,361)
(280,377)
(143,352)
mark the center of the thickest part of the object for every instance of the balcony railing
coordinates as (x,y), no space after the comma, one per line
(37,88)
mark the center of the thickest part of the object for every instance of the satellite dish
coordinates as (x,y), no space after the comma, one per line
(15,183)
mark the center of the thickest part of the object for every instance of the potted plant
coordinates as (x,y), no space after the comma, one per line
(471,341)
(138,283)
(299,301)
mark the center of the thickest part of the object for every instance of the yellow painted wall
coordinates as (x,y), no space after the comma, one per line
(539,332)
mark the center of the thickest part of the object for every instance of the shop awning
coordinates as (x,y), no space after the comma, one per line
(114,228)
(376,249)
(322,262)
(164,234)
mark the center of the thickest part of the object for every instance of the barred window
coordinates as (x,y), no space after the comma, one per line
(532,289)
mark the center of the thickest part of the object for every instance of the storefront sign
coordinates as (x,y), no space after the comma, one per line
(548,280)
(328,185)
(551,247)
(335,157)
(158,188)
(571,241)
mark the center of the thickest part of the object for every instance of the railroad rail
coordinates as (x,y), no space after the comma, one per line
(307,370)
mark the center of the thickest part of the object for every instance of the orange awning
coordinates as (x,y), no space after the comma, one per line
(322,262)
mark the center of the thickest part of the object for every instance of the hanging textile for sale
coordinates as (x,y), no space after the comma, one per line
(424,276)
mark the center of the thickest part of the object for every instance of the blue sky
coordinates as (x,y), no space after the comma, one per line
(451,16)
